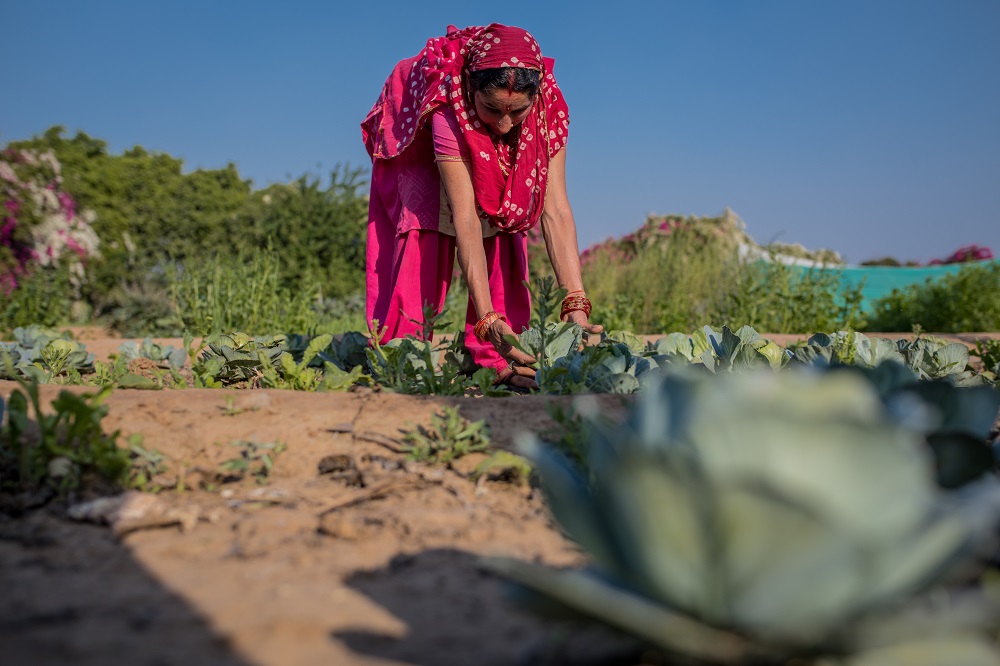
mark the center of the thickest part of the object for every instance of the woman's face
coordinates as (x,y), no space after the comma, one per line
(501,110)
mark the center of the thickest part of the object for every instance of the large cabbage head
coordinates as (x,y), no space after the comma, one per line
(785,506)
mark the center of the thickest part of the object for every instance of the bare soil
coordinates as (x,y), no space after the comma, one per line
(373,560)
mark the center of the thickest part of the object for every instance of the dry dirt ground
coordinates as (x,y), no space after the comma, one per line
(376,562)
(348,554)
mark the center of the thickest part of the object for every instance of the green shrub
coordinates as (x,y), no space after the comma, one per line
(318,233)
(44,297)
(777,298)
(968,300)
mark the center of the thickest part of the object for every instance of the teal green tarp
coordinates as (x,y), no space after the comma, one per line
(879,281)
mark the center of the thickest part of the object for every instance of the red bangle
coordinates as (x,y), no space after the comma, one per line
(482,327)
(575,303)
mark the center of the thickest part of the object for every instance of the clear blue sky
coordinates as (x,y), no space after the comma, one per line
(870,127)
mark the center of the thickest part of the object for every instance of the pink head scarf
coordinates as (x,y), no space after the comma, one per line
(435,78)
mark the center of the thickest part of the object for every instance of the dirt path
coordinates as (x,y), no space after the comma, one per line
(378,565)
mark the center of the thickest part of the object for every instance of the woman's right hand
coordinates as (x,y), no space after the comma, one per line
(521,371)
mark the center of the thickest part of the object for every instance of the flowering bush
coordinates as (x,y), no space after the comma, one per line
(965,254)
(40,226)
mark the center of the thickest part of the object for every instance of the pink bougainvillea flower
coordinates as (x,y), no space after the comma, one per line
(76,247)
(68,204)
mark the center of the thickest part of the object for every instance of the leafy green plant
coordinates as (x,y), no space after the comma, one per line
(44,297)
(448,437)
(727,517)
(254,460)
(955,420)
(287,374)
(154,351)
(60,356)
(13,363)
(774,297)
(546,298)
(504,466)
(62,446)
(413,365)
(145,466)
(741,351)
(236,357)
(608,367)
(938,359)
(109,374)
(988,352)
(396,365)
(846,348)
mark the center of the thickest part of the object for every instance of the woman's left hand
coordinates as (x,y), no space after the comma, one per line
(580,317)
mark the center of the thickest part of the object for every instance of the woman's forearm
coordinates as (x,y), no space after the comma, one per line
(457,180)
(559,232)
(472,262)
(559,227)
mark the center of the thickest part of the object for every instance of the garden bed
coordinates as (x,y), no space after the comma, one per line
(343,552)
(303,568)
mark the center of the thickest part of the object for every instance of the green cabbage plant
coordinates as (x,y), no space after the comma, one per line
(235,357)
(767,516)
(161,354)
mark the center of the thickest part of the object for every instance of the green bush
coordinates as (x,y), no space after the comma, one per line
(968,300)
(43,297)
(776,298)
(318,233)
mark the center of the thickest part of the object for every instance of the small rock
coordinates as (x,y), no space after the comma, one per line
(338,462)
(351,477)
(341,467)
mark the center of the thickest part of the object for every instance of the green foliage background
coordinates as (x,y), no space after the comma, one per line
(155,220)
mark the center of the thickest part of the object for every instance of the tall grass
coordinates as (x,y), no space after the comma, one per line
(695,276)
(233,293)
(668,286)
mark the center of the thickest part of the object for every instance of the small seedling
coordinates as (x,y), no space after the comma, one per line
(230,409)
(449,437)
(146,465)
(255,459)
(504,466)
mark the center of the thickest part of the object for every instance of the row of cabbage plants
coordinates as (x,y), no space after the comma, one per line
(620,362)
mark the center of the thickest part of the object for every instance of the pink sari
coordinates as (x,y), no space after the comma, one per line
(409,263)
